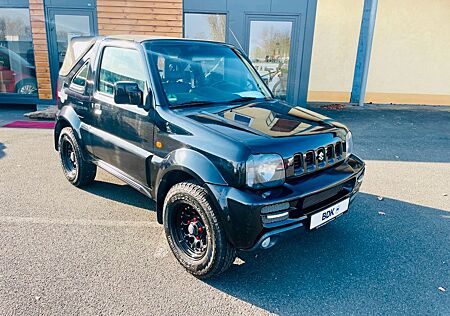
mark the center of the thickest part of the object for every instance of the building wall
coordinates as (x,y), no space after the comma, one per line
(410,60)
(37,18)
(152,17)
(335,44)
(240,14)
(410,53)
(23,53)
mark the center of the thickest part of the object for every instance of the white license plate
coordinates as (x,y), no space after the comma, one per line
(328,214)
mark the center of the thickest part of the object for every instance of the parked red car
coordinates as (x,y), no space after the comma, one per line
(17,75)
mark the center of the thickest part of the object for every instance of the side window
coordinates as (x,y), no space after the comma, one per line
(79,80)
(4,61)
(120,64)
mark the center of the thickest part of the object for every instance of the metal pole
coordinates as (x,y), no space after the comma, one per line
(364,50)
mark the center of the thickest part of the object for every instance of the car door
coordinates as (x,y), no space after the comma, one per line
(77,97)
(122,134)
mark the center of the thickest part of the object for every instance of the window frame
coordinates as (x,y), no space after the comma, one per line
(217,12)
(99,67)
(77,87)
(15,97)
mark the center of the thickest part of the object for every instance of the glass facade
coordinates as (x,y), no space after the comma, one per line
(205,26)
(269,51)
(68,27)
(17,68)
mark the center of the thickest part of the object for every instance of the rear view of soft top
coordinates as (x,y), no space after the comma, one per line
(76,49)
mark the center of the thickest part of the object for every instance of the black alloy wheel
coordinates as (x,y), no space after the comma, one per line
(191,231)
(68,158)
(194,231)
(78,171)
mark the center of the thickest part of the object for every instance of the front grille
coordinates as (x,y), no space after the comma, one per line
(330,152)
(317,159)
(298,162)
(316,201)
(309,160)
(320,157)
(338,149)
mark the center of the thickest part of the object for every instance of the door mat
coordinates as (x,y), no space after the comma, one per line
(31,124)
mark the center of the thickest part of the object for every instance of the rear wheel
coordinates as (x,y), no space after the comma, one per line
(194,232)
(78,171)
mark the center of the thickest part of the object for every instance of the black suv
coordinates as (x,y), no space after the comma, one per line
(191,125)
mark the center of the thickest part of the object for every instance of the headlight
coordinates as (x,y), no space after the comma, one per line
(266,170)
(349,143)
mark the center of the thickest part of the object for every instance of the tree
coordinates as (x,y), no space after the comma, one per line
(274,44)
(217,27)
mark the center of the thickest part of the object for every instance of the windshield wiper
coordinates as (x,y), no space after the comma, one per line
(242,99)
(192,103)
(201,103)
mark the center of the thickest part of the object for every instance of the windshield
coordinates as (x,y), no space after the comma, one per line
(196,73)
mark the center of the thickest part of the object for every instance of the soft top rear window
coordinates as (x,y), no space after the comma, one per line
(76,49)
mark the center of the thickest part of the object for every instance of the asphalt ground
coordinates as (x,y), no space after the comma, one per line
(99,250)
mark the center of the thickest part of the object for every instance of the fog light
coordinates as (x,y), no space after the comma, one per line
(266,243)
(277,217)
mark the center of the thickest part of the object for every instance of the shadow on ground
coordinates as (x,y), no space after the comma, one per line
(2,150)
(363,263)
(122,193)
(397,133)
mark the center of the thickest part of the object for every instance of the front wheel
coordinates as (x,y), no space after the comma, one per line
(26,86)
(194,232)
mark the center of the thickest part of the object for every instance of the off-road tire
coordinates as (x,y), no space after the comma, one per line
(85,171)
(220,254)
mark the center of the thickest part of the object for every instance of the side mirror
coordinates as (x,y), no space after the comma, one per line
(127,92)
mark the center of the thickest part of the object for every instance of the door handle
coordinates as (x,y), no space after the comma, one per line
(97,109)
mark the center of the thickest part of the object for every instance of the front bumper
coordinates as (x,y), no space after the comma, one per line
(244,212)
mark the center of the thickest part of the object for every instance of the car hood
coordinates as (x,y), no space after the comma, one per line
(264,124)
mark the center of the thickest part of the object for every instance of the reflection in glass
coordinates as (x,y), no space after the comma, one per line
(202,73)
(81,77)
(205,26)
(17,71)
(120,64)
(68,27)
(270,43)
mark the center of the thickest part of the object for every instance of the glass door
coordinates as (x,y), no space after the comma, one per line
(63,26)
(271,42)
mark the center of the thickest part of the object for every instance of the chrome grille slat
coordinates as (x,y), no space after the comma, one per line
(338,149)
(298,161)
(309,161)
(329,153)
